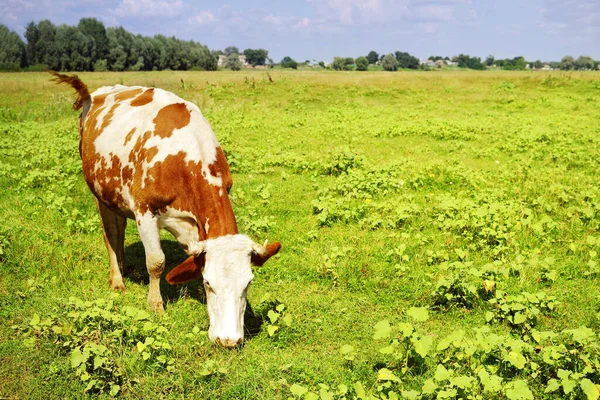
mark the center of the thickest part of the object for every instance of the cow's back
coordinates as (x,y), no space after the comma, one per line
(145,149)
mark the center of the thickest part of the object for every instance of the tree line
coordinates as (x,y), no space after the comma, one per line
(90,46)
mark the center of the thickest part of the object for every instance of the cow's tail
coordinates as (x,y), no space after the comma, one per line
(84,100)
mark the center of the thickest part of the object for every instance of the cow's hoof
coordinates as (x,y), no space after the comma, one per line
(117,286)
(156,306)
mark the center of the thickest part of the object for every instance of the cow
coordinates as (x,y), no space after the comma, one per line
(150,156)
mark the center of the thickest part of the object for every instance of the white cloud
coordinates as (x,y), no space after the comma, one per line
(349,11)
(149,8)
(204,17)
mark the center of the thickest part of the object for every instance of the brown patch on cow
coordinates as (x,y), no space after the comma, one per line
(259,259)
(126,174)
(169,118)
(177,183)
(127,94)
(143,98)
(139,153)
(189,270)
(129,136)
(224,169)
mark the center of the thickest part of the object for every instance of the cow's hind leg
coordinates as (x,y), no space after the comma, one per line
(155,258)
(113,229)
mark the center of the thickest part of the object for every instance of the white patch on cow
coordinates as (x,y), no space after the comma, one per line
(206,225)
(227,274)
(182,225)
(221,191)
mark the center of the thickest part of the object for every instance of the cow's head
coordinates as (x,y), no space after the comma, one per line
(224,264)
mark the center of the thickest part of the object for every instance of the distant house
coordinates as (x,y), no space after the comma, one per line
(429,63)
(223,60)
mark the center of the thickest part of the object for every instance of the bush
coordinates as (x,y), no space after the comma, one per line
(288,62)
(362,64)
(389,63)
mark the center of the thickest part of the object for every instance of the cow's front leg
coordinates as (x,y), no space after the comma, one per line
(155,258)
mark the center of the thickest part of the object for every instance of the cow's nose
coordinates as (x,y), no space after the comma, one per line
(229,343)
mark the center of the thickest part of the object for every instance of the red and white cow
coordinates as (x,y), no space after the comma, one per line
(150,156)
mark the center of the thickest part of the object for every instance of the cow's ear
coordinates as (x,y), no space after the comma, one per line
(189,270)
(261,254)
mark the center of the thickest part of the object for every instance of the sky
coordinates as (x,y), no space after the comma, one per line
(321,29)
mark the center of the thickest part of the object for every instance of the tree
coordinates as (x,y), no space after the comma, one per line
(584,63)
(466,61)
(362,63)
(32,35)
(567,63)
(373,57)
(233,62)
(96,31)
(231,50)
(46,50)
(489,61)
(389,63)
(405,60)
(342,63)
(538,64)
(13,53)
(256,57)
(288,62)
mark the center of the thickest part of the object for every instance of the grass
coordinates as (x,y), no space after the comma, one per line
(377,184)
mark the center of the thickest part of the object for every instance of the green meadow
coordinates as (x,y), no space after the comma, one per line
(440,236)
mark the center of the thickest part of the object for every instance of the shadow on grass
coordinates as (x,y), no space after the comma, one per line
(135,270)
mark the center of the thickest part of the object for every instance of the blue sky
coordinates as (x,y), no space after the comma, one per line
(322,29)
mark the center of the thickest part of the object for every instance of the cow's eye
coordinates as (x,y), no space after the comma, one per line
(206,283)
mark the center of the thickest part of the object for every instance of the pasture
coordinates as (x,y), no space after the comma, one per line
(440,239)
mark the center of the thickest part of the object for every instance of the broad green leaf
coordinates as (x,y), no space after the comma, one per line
(141,315)
(441,373)
(418,313)
(519,318)
(387,350)
(273,316)
(195,330)
(447,394)
(359,390)
(518,390)
(383,330)
(429,386)
(385,374)
(342,389)
(35,320)
(516,359)
(568,385)
(287,320)
(145,355)
(410,394)
(553,386)
(423,345)
(141,347)
(491,383)
(98,361)
(311,396)
(77,358)
(114,390)
(325,394)
(589,389)
(161,359)
(345,349)
(271,329)
(298,390)
(462,381)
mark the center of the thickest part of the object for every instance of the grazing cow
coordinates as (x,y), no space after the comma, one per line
(150,156)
